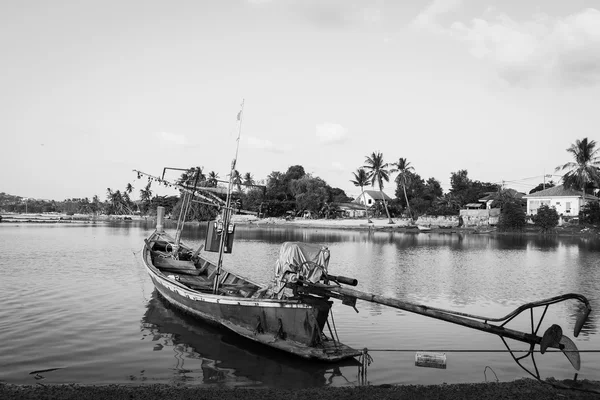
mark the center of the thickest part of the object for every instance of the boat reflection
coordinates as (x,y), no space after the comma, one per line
(228,359)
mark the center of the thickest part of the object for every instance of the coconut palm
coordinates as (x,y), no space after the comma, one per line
(361,179)
(192,176)
(584,169)
(236,178)
(146,196)
(129,188)
(213,179)
(404,169)
(378,173)
(248,179)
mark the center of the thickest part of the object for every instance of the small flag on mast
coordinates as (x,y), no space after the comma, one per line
(239,116)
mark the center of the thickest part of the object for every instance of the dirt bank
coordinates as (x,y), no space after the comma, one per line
(520,389)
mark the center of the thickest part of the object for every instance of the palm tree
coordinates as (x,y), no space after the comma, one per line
(192,176)
(404,169)
(378,173)
(236,178)
(146,196)
(361,179)
(248,179)
(129,188)
(213,179)
(585,167)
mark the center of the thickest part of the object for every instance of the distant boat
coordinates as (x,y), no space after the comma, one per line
(423,228)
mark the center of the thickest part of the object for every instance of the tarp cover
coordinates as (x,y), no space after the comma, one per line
(297,259)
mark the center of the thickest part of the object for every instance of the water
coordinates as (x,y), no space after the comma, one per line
(77,298)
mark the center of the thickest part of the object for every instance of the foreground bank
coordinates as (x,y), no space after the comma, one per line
(519,389)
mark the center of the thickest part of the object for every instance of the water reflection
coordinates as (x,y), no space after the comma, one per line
(226,358)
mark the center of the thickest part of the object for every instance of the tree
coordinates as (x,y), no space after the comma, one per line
(403,168)
(310,193)
(546,218)
(542,186)
(248,179)
(590,213)
(468,191)
(213,179)
(378,173)
(276,189)
(294,172)
(193,176)
(118,203)
(338,195)
(584,169)
(361,179)
(129,188)
(447,204)
(146,197)
(236,178)
(512,217)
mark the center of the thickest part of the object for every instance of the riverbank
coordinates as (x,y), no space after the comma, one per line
(56,218)
(405,225)
(519,389)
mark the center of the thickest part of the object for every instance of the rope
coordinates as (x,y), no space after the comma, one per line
(485,376)
(477,351)
(140,278)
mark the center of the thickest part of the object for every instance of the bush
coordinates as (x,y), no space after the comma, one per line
(590,213)
(546,218)
(512,217)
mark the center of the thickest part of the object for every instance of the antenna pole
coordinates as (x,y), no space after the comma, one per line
(227,209)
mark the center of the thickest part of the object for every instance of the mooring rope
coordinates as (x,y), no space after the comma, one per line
(476,351)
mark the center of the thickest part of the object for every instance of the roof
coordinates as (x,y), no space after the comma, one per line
(350,206)
(559,191)
(494,195)
(476,205)
(376,194)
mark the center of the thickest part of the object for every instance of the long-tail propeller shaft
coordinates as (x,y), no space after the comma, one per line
(552,338)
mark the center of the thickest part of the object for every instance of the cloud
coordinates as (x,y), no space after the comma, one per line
(428,17)
(172,138)
(541,50)
(267,145)
(330,133)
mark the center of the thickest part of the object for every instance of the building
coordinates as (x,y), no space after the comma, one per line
(567,202)
(490,197)
(371,197)
(351,210)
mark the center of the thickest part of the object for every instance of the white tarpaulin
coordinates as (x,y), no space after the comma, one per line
(298,259)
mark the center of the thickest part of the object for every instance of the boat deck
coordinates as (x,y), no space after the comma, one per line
(196,272)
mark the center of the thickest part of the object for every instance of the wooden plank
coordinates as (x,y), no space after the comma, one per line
(174,264)
(180,271)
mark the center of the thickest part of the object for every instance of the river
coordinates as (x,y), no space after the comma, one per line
(78,306)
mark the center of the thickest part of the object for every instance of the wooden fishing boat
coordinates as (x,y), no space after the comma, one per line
(295,323)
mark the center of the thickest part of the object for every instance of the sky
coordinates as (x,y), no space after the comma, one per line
(90,90)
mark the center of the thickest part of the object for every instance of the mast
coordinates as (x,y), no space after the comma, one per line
(227,209)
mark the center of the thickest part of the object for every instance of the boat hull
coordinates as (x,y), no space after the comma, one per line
(293,326)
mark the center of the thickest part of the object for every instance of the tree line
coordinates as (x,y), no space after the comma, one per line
(296,192)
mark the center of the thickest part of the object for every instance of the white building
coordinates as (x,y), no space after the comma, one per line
(567,202)
(371,197)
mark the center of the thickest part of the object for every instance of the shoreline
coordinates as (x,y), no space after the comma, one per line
(525,388)
(377,224)
(405,226)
